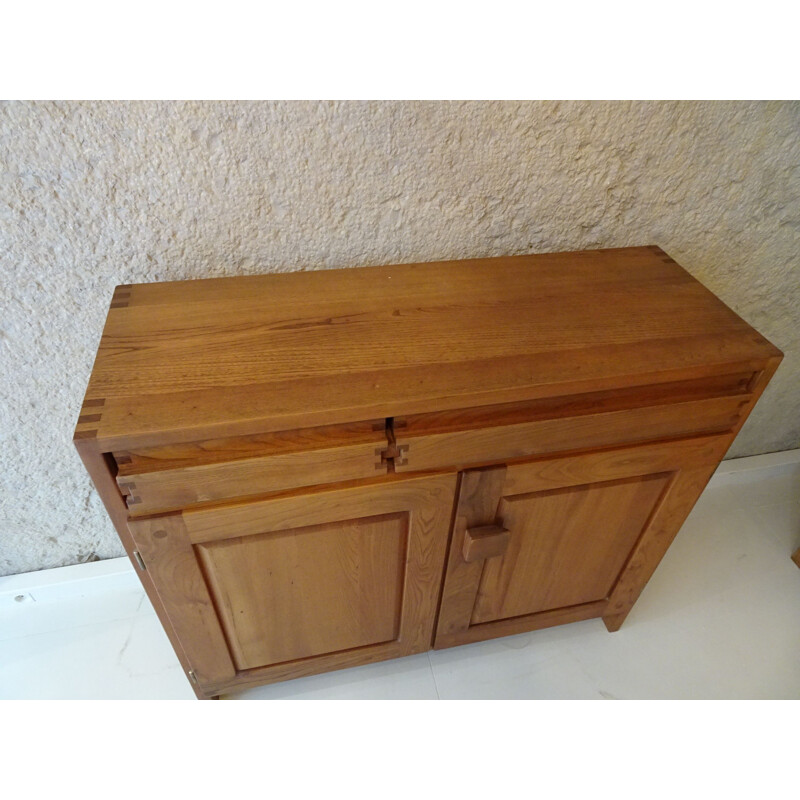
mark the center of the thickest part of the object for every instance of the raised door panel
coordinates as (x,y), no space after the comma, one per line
(308,591)
(568,546)
(304,583)
(580,536)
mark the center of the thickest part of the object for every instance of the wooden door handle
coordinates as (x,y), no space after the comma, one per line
(486,541)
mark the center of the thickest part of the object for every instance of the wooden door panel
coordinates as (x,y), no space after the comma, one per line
(164,547)
(586,532)
(305,583)
(309,591)
(567,546)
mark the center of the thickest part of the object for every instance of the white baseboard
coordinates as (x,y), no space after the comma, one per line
(786,460)
(118,573)
(56,584)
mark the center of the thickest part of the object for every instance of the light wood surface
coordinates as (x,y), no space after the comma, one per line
(461,449)
(290,448)
(98,465)
(168,489)
(238,356)
(567,546)
(670,513)
(584,531)
(577,405)
(304,583)
(317,507)
(479,494)
(277,443)
(487,541)
(171,562)
(551,472)
(516,625)
(309,591)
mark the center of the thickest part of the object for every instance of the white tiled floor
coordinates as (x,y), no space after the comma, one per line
(719,619)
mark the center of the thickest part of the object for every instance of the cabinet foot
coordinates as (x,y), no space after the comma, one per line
(614,622)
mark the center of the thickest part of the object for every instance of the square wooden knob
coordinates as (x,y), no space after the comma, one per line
(487,541)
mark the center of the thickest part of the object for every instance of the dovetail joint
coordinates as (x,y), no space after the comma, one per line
(392,452)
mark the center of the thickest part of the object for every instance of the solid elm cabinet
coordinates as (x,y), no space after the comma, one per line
(317,470)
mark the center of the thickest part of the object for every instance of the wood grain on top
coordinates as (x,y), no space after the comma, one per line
(188,360)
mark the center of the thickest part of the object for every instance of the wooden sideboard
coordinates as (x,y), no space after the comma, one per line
(322,469)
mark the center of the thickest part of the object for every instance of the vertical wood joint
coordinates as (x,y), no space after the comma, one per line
(393,455)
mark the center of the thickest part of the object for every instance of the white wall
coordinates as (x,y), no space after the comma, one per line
(97,194)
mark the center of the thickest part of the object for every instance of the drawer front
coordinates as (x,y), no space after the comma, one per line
(463,448)
(170,478)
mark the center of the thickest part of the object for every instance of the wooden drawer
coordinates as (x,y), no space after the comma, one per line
(171,477)
(584,422)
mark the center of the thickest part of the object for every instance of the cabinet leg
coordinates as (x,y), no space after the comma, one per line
(201,695)
(665,523)
(614,622)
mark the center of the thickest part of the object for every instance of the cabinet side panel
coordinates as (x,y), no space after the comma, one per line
(106,486)
(662,528)
(670,516)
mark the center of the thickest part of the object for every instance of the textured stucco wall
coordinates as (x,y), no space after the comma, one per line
(97,194)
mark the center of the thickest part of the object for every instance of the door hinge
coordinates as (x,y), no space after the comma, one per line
(192,676)
(137,557)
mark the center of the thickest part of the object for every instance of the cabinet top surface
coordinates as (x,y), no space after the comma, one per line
(228,356)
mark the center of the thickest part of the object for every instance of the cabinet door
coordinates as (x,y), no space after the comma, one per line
(562,539)
(295,585)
